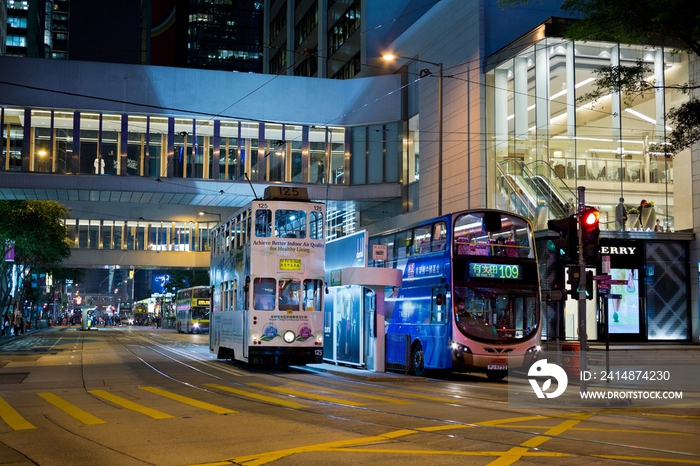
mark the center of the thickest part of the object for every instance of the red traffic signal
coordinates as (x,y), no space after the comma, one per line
(590,234)
(590,218)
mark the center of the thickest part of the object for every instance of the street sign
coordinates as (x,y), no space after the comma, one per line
(615,296)
(379,252)
(603,291)
(603,286)
(617,282)
(601,277)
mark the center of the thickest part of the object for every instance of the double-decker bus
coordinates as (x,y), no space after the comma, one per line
(192,309)
(267,268)
(469,298)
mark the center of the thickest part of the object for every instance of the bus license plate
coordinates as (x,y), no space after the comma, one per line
(497,367)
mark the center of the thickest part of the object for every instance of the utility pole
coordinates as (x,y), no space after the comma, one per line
(582,324)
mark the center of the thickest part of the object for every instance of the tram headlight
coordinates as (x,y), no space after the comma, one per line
(195,324)
(533,349)
(289,336)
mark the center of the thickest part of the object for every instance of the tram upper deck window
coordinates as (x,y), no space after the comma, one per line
(315,225)
(263,223)
(290,223)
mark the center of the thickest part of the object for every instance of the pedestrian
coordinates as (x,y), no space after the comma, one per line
(620,215)
(658,228)
(6,325)
(321,169)
(21,324)
(99,165)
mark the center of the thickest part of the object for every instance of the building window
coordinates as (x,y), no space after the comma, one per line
(344,28)
(350,69)
(278,22)
(307,24)
(278,63)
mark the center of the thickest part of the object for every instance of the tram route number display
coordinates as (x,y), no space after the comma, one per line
(499,271)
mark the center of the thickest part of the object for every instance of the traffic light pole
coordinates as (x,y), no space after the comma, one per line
(582,324)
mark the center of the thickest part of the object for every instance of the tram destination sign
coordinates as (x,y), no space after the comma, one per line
(290,265)
(499,271)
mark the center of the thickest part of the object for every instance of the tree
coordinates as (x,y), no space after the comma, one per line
(35,232)
(674,23)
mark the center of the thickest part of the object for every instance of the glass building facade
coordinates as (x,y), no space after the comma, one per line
(546,139)
(73,142)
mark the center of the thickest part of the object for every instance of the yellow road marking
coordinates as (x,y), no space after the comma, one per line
(12,418)
(422,397)
(600,429)
(124,403)
(516,453)
(72,410)
(359,445)
(189,401)
(305,394)
(359,395)
(340,446)
(647,458)
(268,399)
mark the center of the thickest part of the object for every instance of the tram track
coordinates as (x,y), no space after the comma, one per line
(163,347)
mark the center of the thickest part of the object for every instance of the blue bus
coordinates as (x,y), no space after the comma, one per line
(469,299)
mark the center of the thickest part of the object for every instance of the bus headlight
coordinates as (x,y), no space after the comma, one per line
(458,348)
(289,336)
(195,324)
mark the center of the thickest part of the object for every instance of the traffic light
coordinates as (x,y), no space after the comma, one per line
(565,247)
(589,284)
(590,235)
(573,278)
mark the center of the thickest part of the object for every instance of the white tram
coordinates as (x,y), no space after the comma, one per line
(267,268)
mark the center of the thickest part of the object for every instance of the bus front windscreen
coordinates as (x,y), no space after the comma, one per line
(490,314)
(200,312)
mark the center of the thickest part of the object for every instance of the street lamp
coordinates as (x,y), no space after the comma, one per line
(424,73)
(201,212)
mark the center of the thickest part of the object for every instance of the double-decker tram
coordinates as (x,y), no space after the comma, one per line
(192,309)
(267,268)
(469,298)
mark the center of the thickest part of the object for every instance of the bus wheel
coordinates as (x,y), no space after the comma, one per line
(418,360)
(496,375)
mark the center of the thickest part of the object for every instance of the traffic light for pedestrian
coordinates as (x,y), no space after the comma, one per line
(565,247)
(590,235)
(573,278)
(589,284)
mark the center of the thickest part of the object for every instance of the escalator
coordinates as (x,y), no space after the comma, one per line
(534,185)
